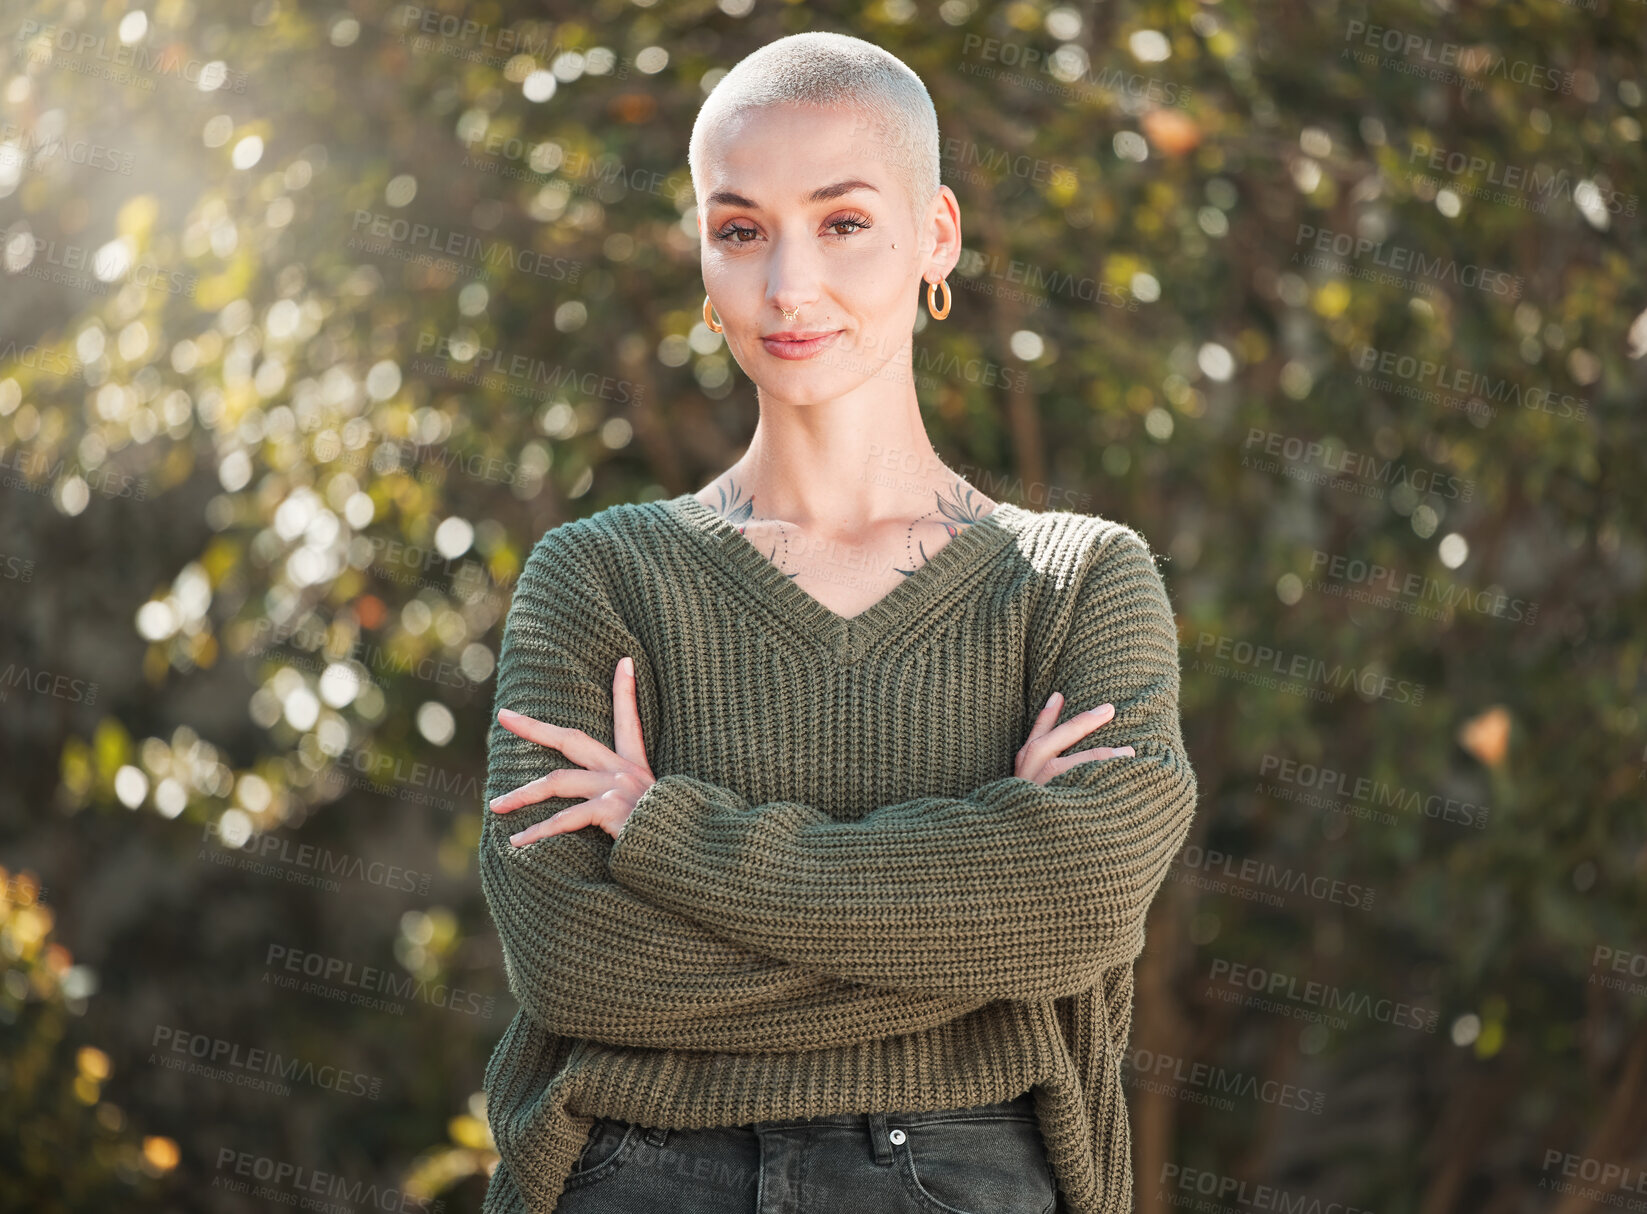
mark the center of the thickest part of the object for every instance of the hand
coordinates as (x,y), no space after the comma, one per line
(1038,759)
(612,782)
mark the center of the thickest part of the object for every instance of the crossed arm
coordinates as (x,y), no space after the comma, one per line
(583,955)
(1014,891)
(726,927)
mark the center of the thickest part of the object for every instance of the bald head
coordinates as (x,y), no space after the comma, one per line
(891,112)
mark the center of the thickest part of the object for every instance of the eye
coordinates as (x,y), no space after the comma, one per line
(731,230)
(855,222)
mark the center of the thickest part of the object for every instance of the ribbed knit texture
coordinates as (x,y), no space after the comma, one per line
(836,898)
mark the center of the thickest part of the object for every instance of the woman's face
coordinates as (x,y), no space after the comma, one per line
(800,212)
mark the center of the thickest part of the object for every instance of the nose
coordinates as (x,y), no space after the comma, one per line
(792,279)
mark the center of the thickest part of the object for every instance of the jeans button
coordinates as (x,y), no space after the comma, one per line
(897,1136)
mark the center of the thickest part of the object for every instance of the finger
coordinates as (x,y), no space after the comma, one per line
(563,782)
(1060,765)
(574,818)
(626,727)
(573,743)
(1047,715)
(1071,731)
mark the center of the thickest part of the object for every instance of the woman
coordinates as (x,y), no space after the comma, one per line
(866,944)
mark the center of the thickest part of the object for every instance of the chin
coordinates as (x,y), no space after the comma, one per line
(800,388)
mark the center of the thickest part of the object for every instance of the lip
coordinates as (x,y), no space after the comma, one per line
(795,344)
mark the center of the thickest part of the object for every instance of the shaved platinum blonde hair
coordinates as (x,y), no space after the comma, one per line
(840,72)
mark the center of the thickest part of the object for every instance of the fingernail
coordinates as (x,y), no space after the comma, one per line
(1057,695)
(515,839)
(628,665)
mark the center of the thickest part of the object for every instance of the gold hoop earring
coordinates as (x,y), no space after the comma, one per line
(709,317)
(931,291)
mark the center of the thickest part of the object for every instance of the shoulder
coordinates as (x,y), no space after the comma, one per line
(574,578)
(1095,582)
(1097,572)
(1077,547)
(628,529)
(608,557)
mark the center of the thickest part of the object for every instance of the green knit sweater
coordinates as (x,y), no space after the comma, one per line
(837,897)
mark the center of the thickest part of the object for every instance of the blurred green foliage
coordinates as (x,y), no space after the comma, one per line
(270,476)
(66,1146)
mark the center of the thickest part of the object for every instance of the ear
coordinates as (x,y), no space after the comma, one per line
(944,216)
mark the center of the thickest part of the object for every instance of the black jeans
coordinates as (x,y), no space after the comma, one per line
(984,1160)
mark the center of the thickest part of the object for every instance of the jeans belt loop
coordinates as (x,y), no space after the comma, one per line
(657,1135)
(878,1140)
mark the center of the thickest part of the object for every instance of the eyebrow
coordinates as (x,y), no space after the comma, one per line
(822,194)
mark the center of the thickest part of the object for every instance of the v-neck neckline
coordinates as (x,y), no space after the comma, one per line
(848,636)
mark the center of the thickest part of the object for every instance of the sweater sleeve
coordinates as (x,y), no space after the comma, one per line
(586,957)
(1015,891)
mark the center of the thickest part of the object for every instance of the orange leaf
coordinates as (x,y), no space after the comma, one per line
(1487,736)
(1173,132)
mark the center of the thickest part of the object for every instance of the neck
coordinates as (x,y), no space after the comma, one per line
(845,466)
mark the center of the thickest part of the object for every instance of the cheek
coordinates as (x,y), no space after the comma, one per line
(727,272)
(883,292)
